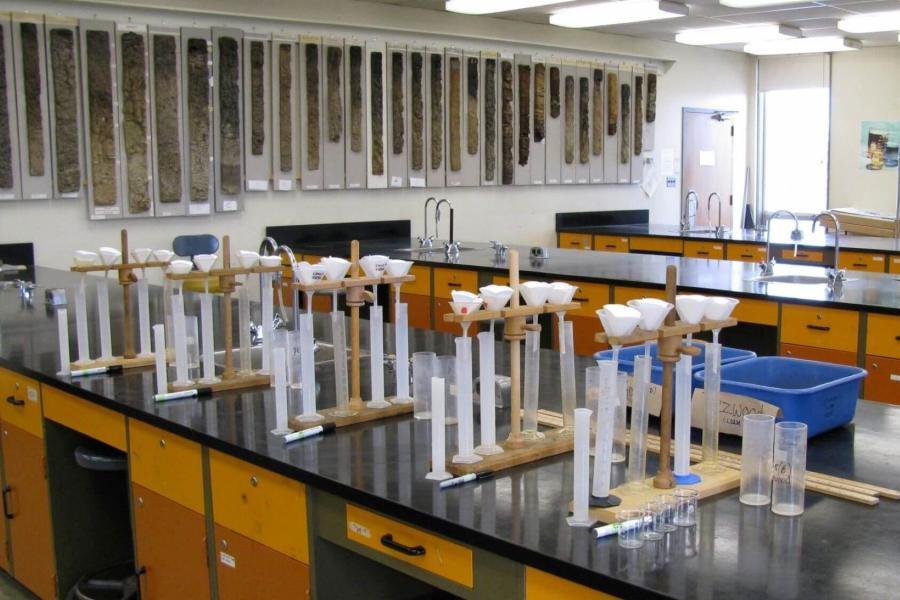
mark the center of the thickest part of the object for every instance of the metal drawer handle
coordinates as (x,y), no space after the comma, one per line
(702,252)
(387,540)
(579,299)
(575,243)
(6,490)
(863,265)
(12,400)
(746,256)
(452,284)
(818,327)
(897,338)
(611,246)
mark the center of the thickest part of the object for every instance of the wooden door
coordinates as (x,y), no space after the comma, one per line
(706,161)
(27,505)
(248,569)
(170,542)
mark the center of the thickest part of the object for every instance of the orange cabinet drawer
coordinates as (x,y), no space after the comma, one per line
(622,294)
(544,586)
(248,569)
(447,280)
(410,545)
(592,297)
(655,244)
(264,506)
(828,355)
(761,312)
(862,261)
(883,382)
(883,335)
(611,243)
(705,249)
(422,284)
(21,402)
(746,252)
(167,464)
(810,256)
(86,417)
(895,264)
(831,328)
(575,241)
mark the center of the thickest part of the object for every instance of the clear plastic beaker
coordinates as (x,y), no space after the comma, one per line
(424,368)
(758,437)
(685,507)
(631,528)
(789,469)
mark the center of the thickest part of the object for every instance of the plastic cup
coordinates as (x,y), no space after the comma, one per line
(758,437)
(789,470)
(653,529)
(424,368)
(631,535)
(685,507)
(666,512)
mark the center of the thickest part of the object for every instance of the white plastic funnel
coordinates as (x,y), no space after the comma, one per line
(653,312)
(618,320)
(335,268)
(719,308)
(691,307)
(85,258)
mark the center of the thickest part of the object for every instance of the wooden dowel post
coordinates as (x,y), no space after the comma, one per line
(226,284)
(668,354)
(354,301)
(126,278)
(514,332)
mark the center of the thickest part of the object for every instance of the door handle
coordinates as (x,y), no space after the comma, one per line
(702,253)
(746,256)
(861,265)
(6,490)
(387,540)
(611,246)
(14,401)
(578,299)
(818,327)
(453,284)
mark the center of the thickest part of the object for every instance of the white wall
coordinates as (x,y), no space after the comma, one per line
(699,78)
(865,86)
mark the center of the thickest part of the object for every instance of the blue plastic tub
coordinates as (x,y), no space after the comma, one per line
(627,355)
(820,394)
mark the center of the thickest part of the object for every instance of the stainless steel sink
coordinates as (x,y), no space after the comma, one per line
(796,279)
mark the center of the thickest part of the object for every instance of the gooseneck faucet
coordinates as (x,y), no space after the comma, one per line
(451,247)
(427,241)
(836,275)
(768,267)
(719,230)
(687,215)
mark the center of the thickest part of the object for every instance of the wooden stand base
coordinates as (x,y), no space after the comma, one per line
(634,497)
(126,363)
(553,443)
(363,415)
(238,382)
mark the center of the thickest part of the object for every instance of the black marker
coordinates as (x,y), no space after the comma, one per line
(97,371)
(305,433)
(448,483)
(204,391)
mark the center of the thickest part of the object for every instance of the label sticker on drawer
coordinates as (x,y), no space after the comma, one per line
(227,560)
(358,529)
(895,377)
(32,394)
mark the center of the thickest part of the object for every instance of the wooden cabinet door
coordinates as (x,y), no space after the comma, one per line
(170,541)
(746,252)
(418,310)
(839,357)
(862,261)
(696,249)
(575,241)
(27,504)
(247,569)
(883,381)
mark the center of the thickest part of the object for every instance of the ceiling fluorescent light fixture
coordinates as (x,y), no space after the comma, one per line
(616,13)
(486,7)
(757,3)
(803,46)
(710,36)
(871,23)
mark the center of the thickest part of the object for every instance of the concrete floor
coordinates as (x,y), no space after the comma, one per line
(10,590)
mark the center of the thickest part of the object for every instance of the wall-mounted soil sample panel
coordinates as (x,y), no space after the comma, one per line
(626,101)
(598,127)
(376,101)
(333,114)
(611,124)
(397,93)
(471,121)
(490,118)
(132,49)
(102,142)
(434,117)
(462,119)
(29,49)
(64,104)
(197,96)
(170,191)
(539,97)
(569,115)
(228,117)
(583,120)
(650,99)
(507,120)
(638,108)
(524,93)
(9,131)
(257,112)
(355,114)
(553,124)
(312,171)
(285,138)
(415,144)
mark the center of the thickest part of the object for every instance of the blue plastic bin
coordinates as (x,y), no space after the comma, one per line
(627,355)
(820,394)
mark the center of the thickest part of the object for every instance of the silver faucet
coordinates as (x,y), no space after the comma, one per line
(768,267)
(688,216)
(451,247)
(268,246)
(836,274)
(427,241)
(719,230)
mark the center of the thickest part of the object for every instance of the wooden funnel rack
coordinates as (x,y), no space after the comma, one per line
(354,286)
(126,277)
(230,379)
(517,450)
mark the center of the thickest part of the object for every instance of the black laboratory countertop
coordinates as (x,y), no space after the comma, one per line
(874,292)
(781,230)
(836,549)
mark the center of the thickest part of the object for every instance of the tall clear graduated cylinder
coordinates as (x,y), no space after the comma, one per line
(712,386)
(246,364)
(401,343)
(619,427)
(424,368)
(789,468)
(637,450)
(532,384)
(757,441)
(567,370)
(341,381)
